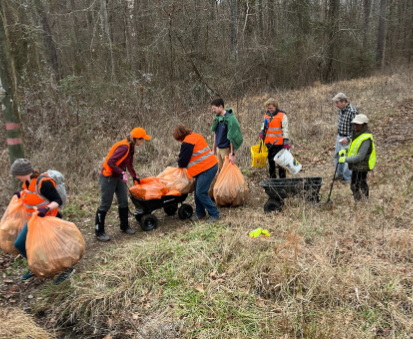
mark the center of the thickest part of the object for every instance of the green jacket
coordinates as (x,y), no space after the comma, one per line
(234,131)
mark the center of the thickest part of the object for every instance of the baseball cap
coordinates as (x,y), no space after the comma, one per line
(340,96)
(140,133)
(360,119)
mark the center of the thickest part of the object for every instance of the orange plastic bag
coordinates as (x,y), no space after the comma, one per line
(230,188)
(53,245)
(11,225)
(175,178)
(174,193)
(150,188)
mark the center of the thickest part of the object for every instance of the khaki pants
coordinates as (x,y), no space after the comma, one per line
(221,153)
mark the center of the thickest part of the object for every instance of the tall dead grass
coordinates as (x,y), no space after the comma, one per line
(17,324)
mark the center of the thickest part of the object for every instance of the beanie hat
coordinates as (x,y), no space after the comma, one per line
(22,167)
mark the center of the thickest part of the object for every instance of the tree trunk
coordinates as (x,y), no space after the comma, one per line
(9,101)
(260,22)
(381,34)
(329,74)
(234,27)
(366,10)
(106,30)
(49,38)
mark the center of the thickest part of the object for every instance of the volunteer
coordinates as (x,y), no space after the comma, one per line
(113,180)
(274,132)
(47,204)
(347,112)
(202,165)
(227,137)
(361,157)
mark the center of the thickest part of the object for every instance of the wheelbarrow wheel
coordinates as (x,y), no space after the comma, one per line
(185,211)
(149,222)
(170,210)
(272,206)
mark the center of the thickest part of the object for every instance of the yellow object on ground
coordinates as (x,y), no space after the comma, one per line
(259,159)
(259,232)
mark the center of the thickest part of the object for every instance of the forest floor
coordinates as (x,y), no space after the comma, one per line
(342,272)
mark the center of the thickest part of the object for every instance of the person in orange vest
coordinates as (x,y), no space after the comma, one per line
(46,203)
(197,157)
(113,180)
(274,131)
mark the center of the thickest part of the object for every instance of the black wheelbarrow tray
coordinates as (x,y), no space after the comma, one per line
(280,189)
(169,203)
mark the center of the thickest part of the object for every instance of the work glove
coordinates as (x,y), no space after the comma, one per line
(342,153)
(261,136)
(42,212)
(266,123)
(287,146)
(124,177)
(137,181)
(17,193)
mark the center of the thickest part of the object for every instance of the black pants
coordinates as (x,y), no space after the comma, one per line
(359,184)
(271,154)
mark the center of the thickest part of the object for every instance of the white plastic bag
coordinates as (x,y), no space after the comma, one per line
(285,159)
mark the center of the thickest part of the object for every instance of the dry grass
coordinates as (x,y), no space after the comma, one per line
(17,324)
(339,273)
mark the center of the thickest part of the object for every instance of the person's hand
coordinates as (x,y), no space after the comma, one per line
(136,181)
(214,151)
(232,159)
(287,146)
(342,159)
(261,136)
(342,153)
(42,212)
(124,177)
(17,194)
(343,142)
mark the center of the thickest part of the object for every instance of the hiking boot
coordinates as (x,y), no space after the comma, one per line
(129,231)
(212,220)
(28,276)
(195,218)
(63,276)
(124,220)
(100,226)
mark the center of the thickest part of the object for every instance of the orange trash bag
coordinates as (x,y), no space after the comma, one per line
(173,193)
(150,188)
(230,188)
(11,224)
(53,245)
(175,178)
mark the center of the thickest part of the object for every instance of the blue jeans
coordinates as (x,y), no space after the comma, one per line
(342,169)
(20,242)
(202,200)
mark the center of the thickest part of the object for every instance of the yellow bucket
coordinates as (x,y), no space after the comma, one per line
(259,159)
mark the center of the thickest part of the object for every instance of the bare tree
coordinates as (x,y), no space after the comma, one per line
(381,34)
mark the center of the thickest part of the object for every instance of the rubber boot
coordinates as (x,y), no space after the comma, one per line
(100,226)
(124,222)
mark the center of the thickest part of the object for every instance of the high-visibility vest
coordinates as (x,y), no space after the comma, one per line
(202,158)
(355,146)
(274,130)
(107,171)
(32,201)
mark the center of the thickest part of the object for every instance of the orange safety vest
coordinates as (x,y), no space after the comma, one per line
(107,171)
(274,130)
(32,201)
(202,158)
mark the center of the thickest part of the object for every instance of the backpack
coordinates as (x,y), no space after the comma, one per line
(58,178)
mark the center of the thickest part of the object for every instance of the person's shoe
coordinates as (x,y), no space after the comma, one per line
(101,236)
(338,177)
(63,276)
(195,218)
(344,182)
(28,276)
(212,220)
(100,226)
(128,231)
